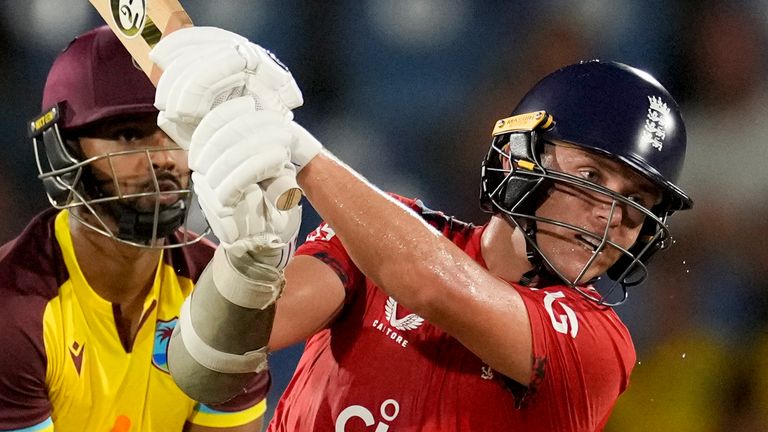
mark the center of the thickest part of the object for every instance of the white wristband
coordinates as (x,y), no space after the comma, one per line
(243,290)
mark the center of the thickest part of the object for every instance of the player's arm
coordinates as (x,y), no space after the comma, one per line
(220,343)
(420,268)
(225,325)
(382,237)
(190,87)
(312,297)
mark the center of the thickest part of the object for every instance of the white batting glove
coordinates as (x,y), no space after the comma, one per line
(205,66)
(232,151)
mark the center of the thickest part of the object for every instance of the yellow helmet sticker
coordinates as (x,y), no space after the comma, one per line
(523,123)
(43,120)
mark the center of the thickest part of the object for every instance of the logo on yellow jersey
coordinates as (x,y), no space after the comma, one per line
(163,332)
(76,351)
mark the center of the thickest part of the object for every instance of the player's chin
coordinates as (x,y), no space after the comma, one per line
(577,260)
(161,200)
(600,265)
(582,268)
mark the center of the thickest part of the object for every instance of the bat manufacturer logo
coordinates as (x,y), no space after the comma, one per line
(129,15)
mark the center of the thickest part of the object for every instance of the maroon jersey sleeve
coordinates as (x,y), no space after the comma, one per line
(30,273)
(23,396)
(255,392)
(189,261)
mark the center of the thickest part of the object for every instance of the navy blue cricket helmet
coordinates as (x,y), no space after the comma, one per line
(607,108)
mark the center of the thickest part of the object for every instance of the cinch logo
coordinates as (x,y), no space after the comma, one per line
(163,332)
(388,410)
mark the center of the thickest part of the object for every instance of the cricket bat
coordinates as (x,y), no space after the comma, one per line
(140,24)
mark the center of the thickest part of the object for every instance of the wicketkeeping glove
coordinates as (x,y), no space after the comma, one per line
(205,66)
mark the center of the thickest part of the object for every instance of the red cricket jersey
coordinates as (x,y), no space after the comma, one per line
(379,367)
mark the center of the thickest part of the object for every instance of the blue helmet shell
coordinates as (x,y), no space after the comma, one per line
(619,111)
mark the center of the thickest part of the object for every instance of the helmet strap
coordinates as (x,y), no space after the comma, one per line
(141,226)
(539,271)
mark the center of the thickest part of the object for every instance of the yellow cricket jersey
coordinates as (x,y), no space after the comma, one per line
(72,369)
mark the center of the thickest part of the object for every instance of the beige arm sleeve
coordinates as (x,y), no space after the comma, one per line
(220,342)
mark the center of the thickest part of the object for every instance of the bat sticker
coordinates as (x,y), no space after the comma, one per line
(131,18)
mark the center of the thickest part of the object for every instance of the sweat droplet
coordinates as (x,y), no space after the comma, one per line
(683,355)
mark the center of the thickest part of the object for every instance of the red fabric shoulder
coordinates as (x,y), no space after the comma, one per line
(323,244)
(583,354)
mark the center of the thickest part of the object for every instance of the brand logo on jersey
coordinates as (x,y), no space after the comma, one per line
(129,15)
(408,322)
(656,123)
(163,332)
(76,351)
(321,233)
(353,414)
(564,324)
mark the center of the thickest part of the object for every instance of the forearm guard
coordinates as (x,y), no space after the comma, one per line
(220,342)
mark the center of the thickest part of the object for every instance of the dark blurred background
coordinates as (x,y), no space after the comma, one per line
(407,91)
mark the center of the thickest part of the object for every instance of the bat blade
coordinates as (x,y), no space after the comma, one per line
(139,24)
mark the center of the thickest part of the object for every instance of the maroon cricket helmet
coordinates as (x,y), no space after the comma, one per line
(95,78)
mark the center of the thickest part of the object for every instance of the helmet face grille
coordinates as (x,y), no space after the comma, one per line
(514,183)
(141,207)
(142,210)
(604,108)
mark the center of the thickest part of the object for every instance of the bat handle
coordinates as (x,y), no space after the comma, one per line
(177,20)
(282,191)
